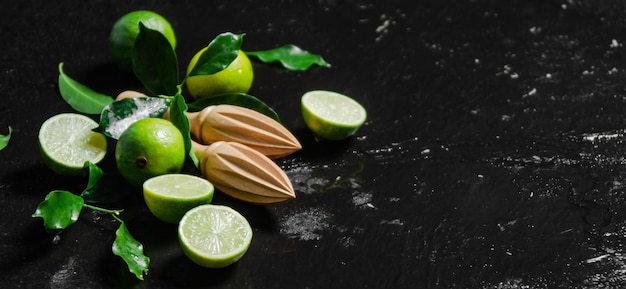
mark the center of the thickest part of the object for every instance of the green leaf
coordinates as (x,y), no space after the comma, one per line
(290,57)
(131,251)
(119,115)
(104,188)
(4,139)
(79,96)
(154,62)
(239,99)
(59,210)
(218,54)
(95,173)
(178,117)
(111,188)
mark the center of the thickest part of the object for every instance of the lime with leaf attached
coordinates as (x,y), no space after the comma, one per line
(125,31)
(235,78)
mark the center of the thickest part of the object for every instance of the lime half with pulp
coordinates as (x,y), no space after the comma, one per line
(214,236)
(67,141)
(331,115)
(170,196)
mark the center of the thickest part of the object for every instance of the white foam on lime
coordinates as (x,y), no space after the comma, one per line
(144,109)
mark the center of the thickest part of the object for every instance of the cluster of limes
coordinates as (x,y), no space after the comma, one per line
(150,153)
(329,115)
(237,77)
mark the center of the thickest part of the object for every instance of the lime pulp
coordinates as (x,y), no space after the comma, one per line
(67,141)
(331,115)
(170,196)
(214,236)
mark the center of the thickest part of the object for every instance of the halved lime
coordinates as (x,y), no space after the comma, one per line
(331,115)
(214,236)
(170,196)
(67,141)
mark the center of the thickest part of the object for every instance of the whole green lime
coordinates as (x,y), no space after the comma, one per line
(235,78)
(147,148)
(126,29)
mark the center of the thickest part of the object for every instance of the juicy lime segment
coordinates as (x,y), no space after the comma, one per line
(331,115)
(214,236)
(67,141)
(170,196)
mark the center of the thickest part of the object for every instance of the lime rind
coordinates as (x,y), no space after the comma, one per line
(147,148)
(168,197)
(235,78)
(214,236)
(331,115)
(67,141)
(125,30)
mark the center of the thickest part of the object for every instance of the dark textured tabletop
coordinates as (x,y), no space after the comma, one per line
(493,154)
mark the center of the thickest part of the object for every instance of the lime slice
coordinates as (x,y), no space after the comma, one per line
(67,141)
(214,236)
(170,196)
(331,115)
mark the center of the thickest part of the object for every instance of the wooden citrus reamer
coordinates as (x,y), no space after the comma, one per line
(237,160)
(237,124)
(243,173)
(237,146)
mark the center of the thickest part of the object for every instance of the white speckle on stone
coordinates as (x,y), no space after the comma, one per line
(306,225)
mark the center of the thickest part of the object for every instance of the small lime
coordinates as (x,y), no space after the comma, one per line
(170,196)
(125,31)
(214,236)
(67,141)
(236,78)
(331,115)
(147,148)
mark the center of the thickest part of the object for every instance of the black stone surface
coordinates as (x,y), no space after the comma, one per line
(493,155)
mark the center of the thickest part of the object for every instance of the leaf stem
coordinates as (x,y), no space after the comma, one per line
(103,210)
(182,82)
(117,218)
